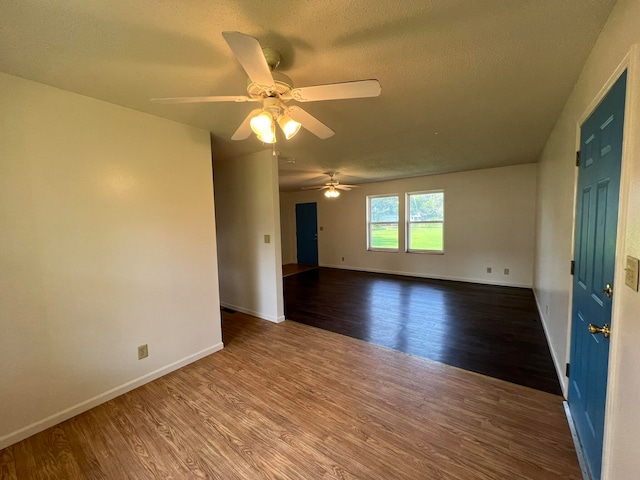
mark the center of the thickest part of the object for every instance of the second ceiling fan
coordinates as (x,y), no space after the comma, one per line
(273,90)
(331,187)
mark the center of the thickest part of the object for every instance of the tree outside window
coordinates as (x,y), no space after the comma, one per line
(383,222)
(425,221)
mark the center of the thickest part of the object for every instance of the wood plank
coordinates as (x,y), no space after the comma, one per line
(7,465)
(487,329)
(289,401)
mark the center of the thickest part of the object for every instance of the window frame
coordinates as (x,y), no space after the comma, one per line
(409,222)
(370,248)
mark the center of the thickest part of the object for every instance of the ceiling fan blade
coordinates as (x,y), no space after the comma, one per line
(311,123)
(228,98)
(248,51)
(313,188)
(345,187)
(337,91)
(244,130)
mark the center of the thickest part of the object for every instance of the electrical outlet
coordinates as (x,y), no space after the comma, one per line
(143,351)
(546,309)
(488,269)
(267,239)
(506,271)
(343,259)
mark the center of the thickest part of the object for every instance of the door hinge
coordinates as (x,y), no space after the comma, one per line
(566,369)
(573,266)
(578,158)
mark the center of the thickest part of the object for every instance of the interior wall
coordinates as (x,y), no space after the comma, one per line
(489,222)
(287,229)
(247,210)
(107,242)
(555,217)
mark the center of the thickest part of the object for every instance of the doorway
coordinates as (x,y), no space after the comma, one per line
(595,251)
(307,233)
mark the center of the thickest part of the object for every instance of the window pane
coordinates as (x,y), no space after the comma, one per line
(426,236)
(384,236)
(384,209)
(426,207)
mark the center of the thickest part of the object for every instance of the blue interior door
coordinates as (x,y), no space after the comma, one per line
(595,243)
(307,233)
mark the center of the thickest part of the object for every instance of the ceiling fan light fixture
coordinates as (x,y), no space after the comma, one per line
(267,137)
(262,124)
(289,126)
(332,193)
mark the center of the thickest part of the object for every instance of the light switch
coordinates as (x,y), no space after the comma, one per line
(267,239)
(321,228)
(631,273)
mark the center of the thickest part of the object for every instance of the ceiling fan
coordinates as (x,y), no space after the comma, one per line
(273,90)
(332,186)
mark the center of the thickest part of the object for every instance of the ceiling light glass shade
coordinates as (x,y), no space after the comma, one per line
(289,126)
(262,125)
(269,137)
(332,193)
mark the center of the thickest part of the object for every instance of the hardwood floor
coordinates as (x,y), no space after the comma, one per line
(293,268)
(289,401)
(487,329)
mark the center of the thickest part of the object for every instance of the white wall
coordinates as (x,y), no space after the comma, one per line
(489,222)
(247,209)
(107,242)
(555,216)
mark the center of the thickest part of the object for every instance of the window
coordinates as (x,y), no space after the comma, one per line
(382,213)
(425,221)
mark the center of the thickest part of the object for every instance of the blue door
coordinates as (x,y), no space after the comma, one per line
(595,243)
(307,233)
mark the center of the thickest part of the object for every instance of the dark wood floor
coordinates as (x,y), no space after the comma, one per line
(288,401)
(486,329)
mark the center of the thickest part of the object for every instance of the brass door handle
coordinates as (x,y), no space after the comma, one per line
(608,290)
(604,330)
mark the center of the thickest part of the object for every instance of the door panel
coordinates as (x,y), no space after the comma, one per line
(307,233)
(596,225)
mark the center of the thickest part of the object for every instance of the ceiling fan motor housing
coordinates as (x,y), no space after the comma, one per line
(273,105)
(283,85)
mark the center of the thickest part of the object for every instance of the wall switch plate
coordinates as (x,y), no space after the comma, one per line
(143,351)
(267,239)
(488,269)
(321,228)
(631,273)
(506,271)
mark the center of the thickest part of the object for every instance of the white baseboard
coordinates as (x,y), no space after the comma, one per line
(554,356)
(56,418)
(434,277)
(253,313)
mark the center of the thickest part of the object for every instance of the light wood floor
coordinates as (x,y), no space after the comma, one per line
(289,401)
(293,268)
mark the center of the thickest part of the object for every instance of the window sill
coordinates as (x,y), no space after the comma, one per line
(427,252)
(387,250)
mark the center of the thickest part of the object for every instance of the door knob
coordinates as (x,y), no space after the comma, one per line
(604,330)
(608,290)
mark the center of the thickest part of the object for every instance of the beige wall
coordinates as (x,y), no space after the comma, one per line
(489,222)
(555,218)
(247,209)
(107,242)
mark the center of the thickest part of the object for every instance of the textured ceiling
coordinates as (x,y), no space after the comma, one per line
(466,84)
